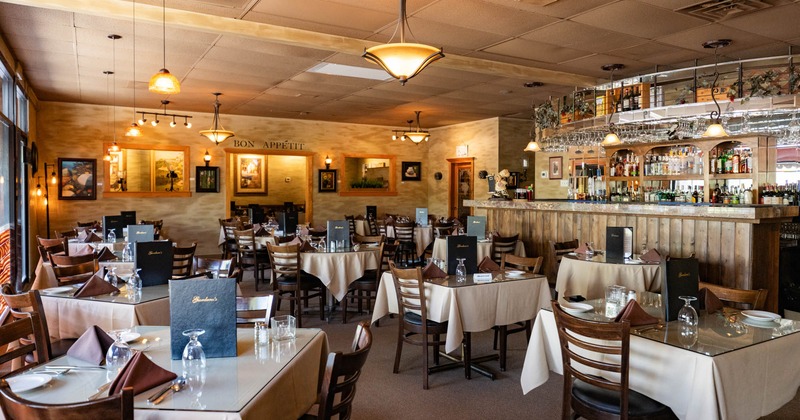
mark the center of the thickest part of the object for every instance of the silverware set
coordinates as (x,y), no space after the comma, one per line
(175,386)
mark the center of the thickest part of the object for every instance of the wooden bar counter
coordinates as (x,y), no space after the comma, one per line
(737,246)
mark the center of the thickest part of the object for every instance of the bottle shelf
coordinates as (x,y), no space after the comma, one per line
(684,177)
(623,178)
(731,176)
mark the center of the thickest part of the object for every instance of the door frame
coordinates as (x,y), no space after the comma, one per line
(452,194)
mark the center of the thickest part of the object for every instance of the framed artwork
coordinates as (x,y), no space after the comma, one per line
(412,171)
(251,174)
(327,180)
(77,179)
(556,166)
(168,170)
(207,179)
(513,180)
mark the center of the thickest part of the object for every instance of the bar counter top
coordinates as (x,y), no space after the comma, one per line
(744,213)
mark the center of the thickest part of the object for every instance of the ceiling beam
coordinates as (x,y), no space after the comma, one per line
(119,9)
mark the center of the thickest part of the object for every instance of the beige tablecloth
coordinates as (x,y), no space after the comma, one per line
(472,308)
(338,269)
(747,383)
(484,249)
(362,227)
(423,236)
(589,279)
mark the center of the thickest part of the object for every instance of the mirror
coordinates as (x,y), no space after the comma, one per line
(147,170)
(368,175)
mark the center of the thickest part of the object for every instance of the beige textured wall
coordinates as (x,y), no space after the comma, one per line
(279,167)
(513,137)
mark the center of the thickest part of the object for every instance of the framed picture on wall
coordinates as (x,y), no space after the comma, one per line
(78,179)
(327,180)
(251,174)
(556,167)
(412,171)
(207,179)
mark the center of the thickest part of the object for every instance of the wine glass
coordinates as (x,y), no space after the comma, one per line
(118,354)
(193,354)
(461,271)
(134,281)
(687,321)
(111,276)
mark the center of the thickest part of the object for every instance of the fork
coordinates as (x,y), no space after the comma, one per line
(100,391)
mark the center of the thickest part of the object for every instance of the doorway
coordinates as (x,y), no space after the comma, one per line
(462,186)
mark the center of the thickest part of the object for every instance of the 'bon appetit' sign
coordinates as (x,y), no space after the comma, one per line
(268,144)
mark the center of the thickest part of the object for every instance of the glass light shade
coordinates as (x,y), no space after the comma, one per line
(142,120)
(207,157)
(328,160)
(533,146)
(53,178)
(417,136)
(107,158)
(38,190)
(187,124)
(164,83)
(217,136)
(715,130)
(133,131)
(403,60)
(173,124)
(114,147)
(611,139)
(45,201)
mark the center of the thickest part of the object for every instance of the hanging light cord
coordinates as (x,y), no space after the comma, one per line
(134,61)
(718,112)
(164,29)
(614,101)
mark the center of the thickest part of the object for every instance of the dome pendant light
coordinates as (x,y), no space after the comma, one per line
(164,82)
(533,145)
(217,133)
(715,129)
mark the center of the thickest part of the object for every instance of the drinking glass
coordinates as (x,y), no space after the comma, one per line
(134,281)
(687,322)
(118,354)
(461,271)
(261,333)
(112,236)
(616,297)
(193,354)
(283,328)
(111,276)
(127,255)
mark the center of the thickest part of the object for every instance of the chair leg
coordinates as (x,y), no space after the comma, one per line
(424,361)
(467,355)
(360,302)
(436,349)
(528,330)
(494,342)
(344,308)
(299,310)
(322,294)
(399,348)
(503,333)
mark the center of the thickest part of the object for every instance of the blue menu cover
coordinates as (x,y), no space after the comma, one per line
(422,216)
(619,243)
(209,304)
(462,247)
(155,260)
(338,230)
(476,226)
(681,278)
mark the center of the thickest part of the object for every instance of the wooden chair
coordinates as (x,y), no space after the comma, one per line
(317,234)
(56,259)
(20,331)
(293,284)
(363,288)
(597,396)
(66,234)
(351,223)
(249,255)
(501,332)
(285,239)
(502,245)
(443,229)
(373,227)
(119,406)
(182,259)
(556,250)
(341,374)
(409,287)
(754,298)
(78,273)
(223,267)
(404,234)
(53,246)
(250,309)
(94,224)
(376,239)
(157,226)
(21,306)
(229,246)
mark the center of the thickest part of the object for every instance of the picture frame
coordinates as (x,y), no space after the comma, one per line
(328,179)
(77,179)
(411,171)
(207,179)
(556,167)
(250,176)
(513,180)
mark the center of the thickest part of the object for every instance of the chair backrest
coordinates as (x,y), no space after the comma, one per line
(341,374)
(119,406)
(21,306)
(503,245)
(70,259)
(378,239)
(92,224)
(285,261)
(529,264)
(20,331)
(76,273)
(54,245)
(285,239)
(250,309)
(373,227)
(157,226)
(404,231)
(225,267)
(443,228)
(351,223)
(318,233)
(182,259)
(66,234)
(244,220)
(245,243)
(755,298)
(228,226)
(556,250)
(410,291)
(603,346)
(387,253)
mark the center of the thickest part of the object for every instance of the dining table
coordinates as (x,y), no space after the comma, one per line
(337,269)
(734,368)
(278,380)
(423,236)
(69,317)
(484,249)
(589,275)
(45,278)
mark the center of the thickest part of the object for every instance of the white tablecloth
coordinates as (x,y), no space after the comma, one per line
(472,308)
(338,269)
(484,249)
(747,383)
(589,279)
(423,236)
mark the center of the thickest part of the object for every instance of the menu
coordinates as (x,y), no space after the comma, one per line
(208,304)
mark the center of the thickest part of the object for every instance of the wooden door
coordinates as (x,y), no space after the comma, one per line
(462,187)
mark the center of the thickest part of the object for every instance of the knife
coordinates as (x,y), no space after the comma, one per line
(161,391)
(62,367)
(176,387)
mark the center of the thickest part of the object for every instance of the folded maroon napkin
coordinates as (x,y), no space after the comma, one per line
(431,271)
(91,346)
(635,315)
(709,301)
(261,232)
(306,247)
(95,286)
(141,374)
(105,255)
(583,249)
(92,237)
(487,265)
(651,256)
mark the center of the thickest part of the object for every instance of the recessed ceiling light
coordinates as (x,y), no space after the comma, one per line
(349,71)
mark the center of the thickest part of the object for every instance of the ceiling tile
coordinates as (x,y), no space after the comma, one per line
(694,38)
(638,19)
(531,50)
(482,16)
(776,23)
(583,37)
(561,9)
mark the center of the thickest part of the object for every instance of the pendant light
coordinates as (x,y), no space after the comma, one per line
(217,133)
(533,145)
(164,82)
(416,136)
(134,130)
(611,138)
(402,60)
(114,38)
(715,129)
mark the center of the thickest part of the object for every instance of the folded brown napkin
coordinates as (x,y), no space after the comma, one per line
(431,271)
(92,237)
(95,286)
(295,241)
(651,256)
(635,315)
(82,234)
(105,255)
(261,232)
(141,374)
(91,346)
(487,265)
(306,247)
(709,301)
(583,249)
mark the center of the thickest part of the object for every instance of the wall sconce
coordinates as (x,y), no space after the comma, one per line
(38,187)
(483,174)
(54,181)
(437,176)
(207,158)
(328,162)
(524,175)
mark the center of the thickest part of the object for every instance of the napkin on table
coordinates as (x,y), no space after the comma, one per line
(583,249)
(261,232)
(105,255)
(306,247)
(295,241)
(91,346)
(487,265)
(709,301)
(651,256)
(95,286)
(432,271)
(92,237)
(635,315)
(141,374)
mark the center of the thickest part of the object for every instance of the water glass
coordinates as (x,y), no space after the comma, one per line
(461,271)
(616,297)
(118,354)
(111,276)
(283,328)
(261,333)
(112,236)
(193,354)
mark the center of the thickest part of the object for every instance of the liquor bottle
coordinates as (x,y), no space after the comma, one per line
(626,100)
(729,162)
(715,194)
(637,98)
(695,196)
(713,162)
(735,162)
(721,162)
(735,196)
(749,162)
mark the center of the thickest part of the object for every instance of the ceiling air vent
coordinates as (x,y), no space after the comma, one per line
(719,10)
